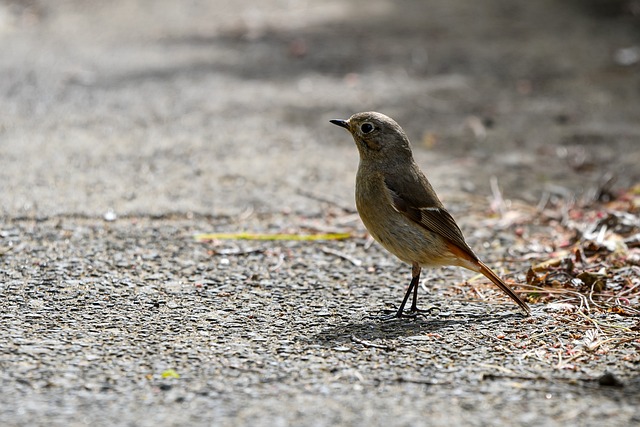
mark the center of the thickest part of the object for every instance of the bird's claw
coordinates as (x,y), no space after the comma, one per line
(409,314)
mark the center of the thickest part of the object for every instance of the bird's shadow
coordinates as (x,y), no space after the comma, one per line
(374,329)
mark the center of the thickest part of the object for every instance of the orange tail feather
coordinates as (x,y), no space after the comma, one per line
(489,274)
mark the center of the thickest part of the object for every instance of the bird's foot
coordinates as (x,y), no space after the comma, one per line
(413,313)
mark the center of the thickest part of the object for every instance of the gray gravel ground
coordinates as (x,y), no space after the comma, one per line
(128,126)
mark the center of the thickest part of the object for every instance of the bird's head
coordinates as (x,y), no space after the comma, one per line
(376,136)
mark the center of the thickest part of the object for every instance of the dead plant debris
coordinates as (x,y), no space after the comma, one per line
(594,261)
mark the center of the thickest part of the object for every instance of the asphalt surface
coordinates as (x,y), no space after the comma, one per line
(127,127)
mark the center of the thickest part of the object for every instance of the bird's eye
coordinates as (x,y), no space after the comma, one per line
(366,127)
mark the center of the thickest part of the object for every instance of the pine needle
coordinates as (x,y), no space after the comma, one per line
(258,236)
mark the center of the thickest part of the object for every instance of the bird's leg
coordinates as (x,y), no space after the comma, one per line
(412,287)
(415,282)
(400,312)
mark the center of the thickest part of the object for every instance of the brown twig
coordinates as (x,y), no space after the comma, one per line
(352,260)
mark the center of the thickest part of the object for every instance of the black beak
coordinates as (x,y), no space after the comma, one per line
(341,123)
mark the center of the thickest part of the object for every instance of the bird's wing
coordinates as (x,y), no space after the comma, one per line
(428,212)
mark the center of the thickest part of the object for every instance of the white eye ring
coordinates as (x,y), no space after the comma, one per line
(366,127)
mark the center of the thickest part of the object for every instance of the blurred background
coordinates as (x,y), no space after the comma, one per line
(220,107)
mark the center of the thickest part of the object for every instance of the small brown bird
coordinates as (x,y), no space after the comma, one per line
(400,209)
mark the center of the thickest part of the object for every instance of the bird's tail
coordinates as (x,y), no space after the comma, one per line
(489,274)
